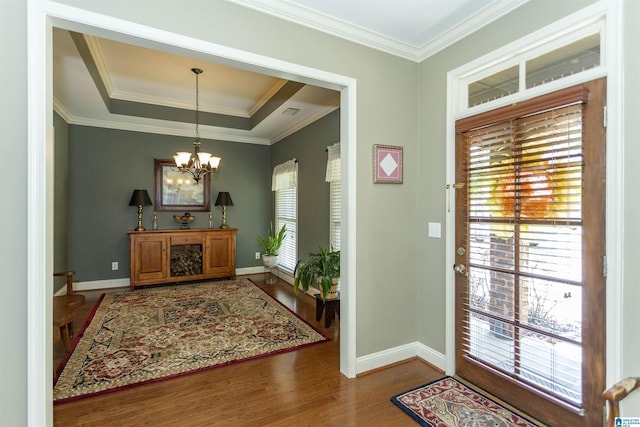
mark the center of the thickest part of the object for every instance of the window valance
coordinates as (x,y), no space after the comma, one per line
(285,175)
(333,163)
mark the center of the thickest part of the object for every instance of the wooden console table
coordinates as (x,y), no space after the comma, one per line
(168,256)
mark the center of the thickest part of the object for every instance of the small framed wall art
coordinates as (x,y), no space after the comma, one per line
(387,164)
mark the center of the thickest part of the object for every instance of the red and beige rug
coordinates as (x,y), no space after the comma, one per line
(153,334)
(449,403)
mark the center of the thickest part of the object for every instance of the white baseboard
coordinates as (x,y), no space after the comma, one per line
(249,270)
(398,354)
(101,284)
(93,285)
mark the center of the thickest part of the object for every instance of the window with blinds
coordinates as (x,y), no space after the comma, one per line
(335,215)
(284,184)
(286,214)
(524,303)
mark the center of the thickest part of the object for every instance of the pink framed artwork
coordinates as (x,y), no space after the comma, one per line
(387,164)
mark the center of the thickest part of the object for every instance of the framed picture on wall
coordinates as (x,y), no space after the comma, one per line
(387,164)
(177,191)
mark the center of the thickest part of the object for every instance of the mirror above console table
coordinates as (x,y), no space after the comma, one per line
(172,256)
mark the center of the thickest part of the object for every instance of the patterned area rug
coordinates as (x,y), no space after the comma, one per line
(159,333)
(449,403)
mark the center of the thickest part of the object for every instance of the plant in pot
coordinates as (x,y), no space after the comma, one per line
(271,246)
(322,270)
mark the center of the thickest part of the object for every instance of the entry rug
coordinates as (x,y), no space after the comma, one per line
(154,334)
(449,403)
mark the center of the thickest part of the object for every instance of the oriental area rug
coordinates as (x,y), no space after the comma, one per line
(449,403)
(133,338)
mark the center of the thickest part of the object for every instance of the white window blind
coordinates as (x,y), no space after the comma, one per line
(335,192)
(284,183)
(335,215)
(525,254)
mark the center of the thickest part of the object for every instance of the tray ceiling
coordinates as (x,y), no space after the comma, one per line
(106,83)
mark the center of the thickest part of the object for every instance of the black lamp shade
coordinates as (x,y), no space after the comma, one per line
(224,199)
(140,197)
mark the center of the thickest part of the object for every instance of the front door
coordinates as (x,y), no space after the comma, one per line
(530,241)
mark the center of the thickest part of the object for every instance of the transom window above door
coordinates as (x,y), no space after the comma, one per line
(568,55)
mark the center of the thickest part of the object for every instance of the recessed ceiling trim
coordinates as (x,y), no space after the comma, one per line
(62,111)
(266,97)
(154,108)
(148,99)
(99,61)
(306,122)
(161,130)
(278,99)
(319,21)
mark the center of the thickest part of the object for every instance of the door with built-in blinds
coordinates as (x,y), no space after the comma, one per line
(530,254)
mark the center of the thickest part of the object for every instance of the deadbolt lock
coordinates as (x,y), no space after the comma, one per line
(460,269)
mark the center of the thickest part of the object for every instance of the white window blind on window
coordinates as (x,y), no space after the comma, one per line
(284,183)
(335,191)
(525,254)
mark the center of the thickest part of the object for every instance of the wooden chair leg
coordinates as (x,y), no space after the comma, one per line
(63,319)
(66,339)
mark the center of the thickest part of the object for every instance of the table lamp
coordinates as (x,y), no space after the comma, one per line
(224,200)
(140,198)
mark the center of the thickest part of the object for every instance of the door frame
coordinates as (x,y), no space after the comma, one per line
(42,15)
(611,14)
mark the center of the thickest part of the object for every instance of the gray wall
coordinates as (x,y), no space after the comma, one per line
(308,147)
(97,193)
(13,216)
(108,164)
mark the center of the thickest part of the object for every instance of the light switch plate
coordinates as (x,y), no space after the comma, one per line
(435,230)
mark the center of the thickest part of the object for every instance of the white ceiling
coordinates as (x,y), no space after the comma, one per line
(121,86)
(413,29)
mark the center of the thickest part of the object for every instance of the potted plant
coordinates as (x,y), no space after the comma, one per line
(322,269)
(271,246)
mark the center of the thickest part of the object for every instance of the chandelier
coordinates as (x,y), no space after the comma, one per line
(198,163)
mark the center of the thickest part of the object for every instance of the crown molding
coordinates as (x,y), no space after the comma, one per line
(62,111)
(160,130)
(101,64)
(466,27)
(322,22)
(328,24)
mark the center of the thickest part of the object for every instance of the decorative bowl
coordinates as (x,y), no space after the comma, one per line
(184,220)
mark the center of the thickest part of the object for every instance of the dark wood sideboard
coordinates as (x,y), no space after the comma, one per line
(171,256)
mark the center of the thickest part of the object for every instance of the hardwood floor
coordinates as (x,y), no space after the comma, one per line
(299,388)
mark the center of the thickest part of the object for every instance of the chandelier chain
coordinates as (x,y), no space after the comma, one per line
(197,71)
(199,163)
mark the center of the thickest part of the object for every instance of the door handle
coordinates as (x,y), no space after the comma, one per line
(460,269)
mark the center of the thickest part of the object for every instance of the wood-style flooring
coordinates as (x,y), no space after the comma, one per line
(299,388)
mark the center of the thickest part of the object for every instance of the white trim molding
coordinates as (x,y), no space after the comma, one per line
(41,16)
(327,24)
(398,354)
